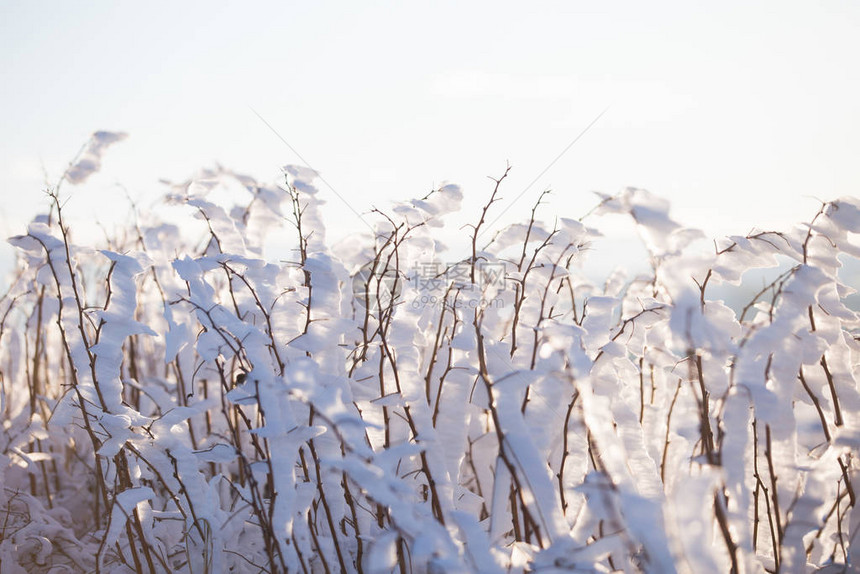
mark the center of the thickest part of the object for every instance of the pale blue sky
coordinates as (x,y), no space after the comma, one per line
(738,112)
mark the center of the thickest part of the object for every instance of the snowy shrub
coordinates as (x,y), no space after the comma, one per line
(181,403)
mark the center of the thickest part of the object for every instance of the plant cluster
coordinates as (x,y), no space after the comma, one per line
(183,404)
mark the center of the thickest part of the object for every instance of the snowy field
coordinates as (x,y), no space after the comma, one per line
(174,399)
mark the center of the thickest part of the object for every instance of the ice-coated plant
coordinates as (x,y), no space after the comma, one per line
(174,402)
